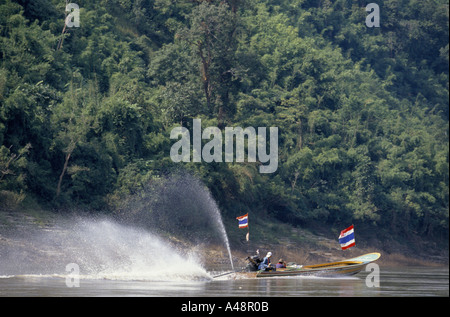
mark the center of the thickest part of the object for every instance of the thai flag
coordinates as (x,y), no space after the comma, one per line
(347,238)
(243,221)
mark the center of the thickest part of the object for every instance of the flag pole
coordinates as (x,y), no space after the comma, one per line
(247,237)
(248,234)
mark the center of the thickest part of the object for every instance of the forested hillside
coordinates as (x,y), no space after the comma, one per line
(86,112)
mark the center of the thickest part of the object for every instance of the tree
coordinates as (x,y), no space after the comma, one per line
(212,37)
(13,165)
(72,122)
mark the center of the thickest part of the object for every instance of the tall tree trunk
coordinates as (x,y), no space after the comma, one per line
(205,76)
(300,134)
(58,188)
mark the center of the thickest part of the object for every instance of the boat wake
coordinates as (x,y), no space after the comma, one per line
(100,249)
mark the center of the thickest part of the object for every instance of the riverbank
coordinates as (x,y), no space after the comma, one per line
(216,256)
(294,245)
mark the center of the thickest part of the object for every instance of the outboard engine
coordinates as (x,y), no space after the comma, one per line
(253,263)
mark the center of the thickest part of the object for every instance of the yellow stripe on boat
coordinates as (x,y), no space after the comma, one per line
(338,268)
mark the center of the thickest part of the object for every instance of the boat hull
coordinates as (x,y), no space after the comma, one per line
(335,272)
(333,269)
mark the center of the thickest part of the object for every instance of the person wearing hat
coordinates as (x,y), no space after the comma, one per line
(265,262)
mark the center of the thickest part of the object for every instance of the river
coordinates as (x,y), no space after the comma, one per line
(100,257)
(398,281)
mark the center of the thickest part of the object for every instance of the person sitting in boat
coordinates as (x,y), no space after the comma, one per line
(265,264)
(281,264)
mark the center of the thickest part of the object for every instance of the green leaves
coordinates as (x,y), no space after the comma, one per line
(362,112)
(212,38)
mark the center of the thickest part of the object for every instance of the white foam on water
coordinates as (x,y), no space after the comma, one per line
(105,249)
(126,253)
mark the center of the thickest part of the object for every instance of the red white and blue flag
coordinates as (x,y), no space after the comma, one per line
(243,221)
(347,238)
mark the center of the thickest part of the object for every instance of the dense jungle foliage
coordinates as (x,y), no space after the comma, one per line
(363,112)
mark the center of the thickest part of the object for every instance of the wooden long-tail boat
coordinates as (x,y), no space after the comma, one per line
(332,269)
